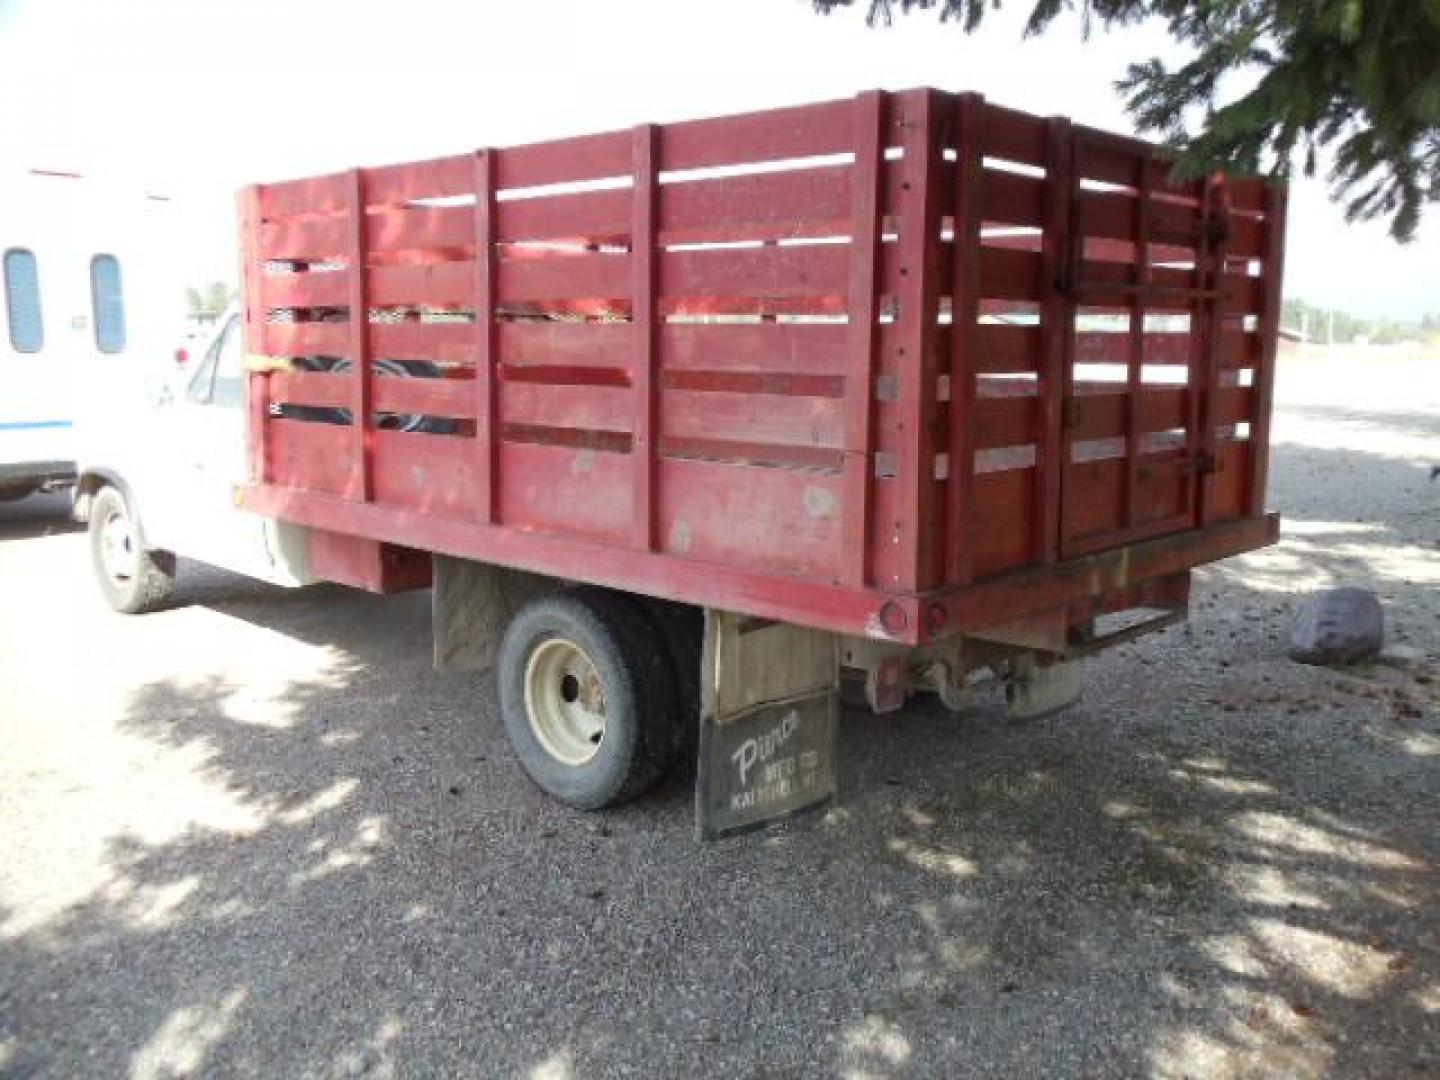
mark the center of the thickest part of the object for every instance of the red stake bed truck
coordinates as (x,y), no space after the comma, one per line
(699,414)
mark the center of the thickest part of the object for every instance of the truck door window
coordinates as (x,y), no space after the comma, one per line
(229,388)
(204,383)
(107,304)
(22,301)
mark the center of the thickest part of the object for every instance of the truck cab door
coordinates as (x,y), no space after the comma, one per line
(208,461)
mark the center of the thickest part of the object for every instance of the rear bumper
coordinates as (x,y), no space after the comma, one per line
(1090,578)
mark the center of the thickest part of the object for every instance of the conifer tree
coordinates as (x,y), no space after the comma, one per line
(1359,79)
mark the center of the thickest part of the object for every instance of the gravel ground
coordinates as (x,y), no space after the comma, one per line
(256,835)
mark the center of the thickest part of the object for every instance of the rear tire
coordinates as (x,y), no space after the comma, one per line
(587,695)
(131,578)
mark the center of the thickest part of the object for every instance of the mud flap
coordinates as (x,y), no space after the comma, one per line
(769,717)
(470,606)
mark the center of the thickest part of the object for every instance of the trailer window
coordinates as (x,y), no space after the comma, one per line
(22,301)
(107,304)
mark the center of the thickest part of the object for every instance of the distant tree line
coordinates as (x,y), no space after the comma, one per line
(1343,328)
(208,302)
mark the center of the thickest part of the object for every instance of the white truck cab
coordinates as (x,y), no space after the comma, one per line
(159,459)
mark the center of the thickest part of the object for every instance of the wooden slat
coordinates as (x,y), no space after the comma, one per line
(312,457)
(441,284)
(1233,405)
(805,271)
(1104,416)
(1012,199)
(781,520)
(558,405)
(446,342)
(803,202)
(429,473)
(1110,158)
(565,490)
(764,307)
(783,383)
(1226,493)
(862,335)
(1241,349)
(314,239)
(754,418)
(1096,275)
(1005,502)
(1014,136)
(1101,510)
(436,178)
(422,227)
(1007,274)
(565,344)
(1005,421)
(302,290)
(1113,347)
(815,348)
(1250,193)
(302,339)
(309,195)
(774,135)
(1244,294)
(1003,348)
(1113,215)
(581,214)
(314,388)
(1246,235)
(424,397)
(564,161)
(563,277)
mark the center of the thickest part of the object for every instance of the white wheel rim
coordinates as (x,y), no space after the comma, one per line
(118,550)
(565,701)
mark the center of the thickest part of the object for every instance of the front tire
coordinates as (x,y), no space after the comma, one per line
(131,578)
(587,695)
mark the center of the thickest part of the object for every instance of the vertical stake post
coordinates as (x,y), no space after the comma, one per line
(1062,260)
(866,220)
(964,318)
(644,316)
(487,437)
(360,486)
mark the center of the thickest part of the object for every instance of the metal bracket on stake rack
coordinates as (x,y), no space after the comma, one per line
(769,716)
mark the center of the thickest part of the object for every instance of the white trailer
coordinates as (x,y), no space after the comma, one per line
(87,293)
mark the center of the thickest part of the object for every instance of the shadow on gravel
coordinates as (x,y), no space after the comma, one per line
(1412,423)
(1199,871)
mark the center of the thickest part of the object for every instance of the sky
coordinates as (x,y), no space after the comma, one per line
(195,98)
